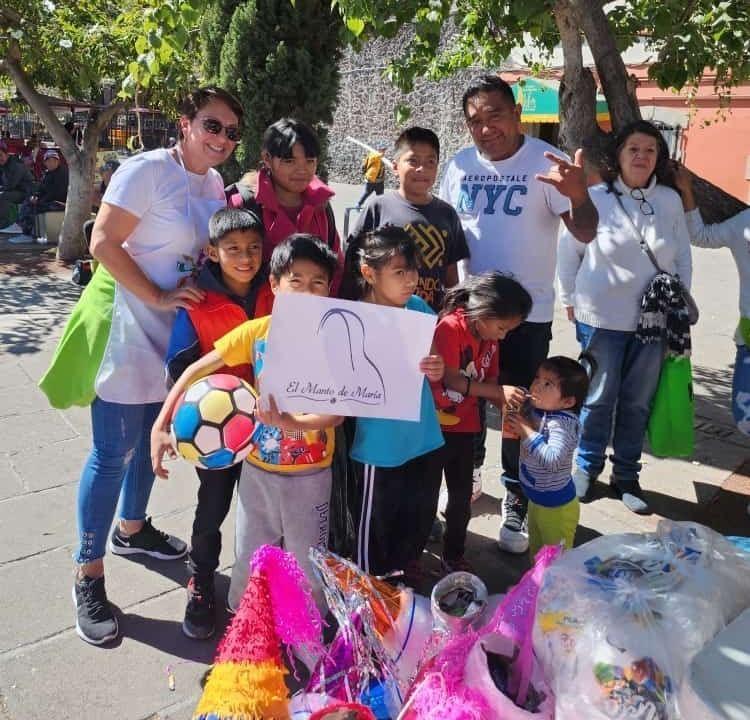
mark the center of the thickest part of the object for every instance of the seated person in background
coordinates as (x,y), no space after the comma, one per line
(105,171)
(52,194)
(15,184)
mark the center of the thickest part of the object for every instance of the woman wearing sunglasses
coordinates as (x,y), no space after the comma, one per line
(291,196)
(605,282)
(148,234)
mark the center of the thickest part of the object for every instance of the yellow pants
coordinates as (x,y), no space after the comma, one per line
(552,526)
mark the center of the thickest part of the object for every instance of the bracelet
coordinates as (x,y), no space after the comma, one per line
(468,386)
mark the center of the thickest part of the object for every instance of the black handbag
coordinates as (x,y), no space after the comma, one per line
(693,312)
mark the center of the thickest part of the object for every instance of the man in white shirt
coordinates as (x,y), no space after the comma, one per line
(510,202)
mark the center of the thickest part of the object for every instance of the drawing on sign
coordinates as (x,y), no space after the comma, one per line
(345,336)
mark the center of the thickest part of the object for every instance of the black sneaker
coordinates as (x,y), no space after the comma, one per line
(148,541)
(512,537)
(95,621)
(200,612)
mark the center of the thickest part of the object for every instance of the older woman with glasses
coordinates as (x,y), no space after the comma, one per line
(605,282)
(148,235)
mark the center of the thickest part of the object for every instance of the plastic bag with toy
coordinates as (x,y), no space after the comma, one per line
(620,618)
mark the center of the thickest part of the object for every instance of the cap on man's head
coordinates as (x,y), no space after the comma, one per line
(52,154)
(110,165)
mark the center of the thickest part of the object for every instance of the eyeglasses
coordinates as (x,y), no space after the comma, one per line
(645,206)
(213,126)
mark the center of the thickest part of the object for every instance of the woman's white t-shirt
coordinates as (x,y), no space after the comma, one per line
(173,207)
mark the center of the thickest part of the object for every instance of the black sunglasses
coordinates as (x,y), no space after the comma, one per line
(213,126)
(637,194)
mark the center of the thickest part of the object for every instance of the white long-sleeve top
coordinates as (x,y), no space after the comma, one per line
(605,279)
(733,233)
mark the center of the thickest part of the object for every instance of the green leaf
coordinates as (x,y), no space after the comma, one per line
(401,114)
(356,25)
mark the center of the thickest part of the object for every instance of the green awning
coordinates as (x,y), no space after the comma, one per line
(539,101)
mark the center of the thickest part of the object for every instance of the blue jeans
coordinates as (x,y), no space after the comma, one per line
(118,466)
(741,390)
(618,403)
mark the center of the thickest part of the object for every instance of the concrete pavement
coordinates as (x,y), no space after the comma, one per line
(47,671)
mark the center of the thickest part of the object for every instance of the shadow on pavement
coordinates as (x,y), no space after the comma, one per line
(35,300)
(176,571)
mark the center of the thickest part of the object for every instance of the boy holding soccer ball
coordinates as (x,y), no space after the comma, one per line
(285,485)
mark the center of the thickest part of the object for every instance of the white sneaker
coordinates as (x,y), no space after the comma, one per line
(42,240)
(515,542)
(476,485)
(443,501)
(13,229)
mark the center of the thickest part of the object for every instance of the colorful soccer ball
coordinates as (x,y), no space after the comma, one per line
(214,421)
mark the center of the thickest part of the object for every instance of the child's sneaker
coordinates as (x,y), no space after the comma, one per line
(147,541)
(476,484)
(95,621)
(200,611)
(513,538)
(584,484)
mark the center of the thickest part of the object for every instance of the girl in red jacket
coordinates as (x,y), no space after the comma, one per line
(292,198)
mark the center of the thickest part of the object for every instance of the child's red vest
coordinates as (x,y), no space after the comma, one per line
(212,319)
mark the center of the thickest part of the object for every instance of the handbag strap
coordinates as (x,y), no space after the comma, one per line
(641,239)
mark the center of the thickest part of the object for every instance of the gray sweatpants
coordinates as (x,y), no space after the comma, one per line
(286,509)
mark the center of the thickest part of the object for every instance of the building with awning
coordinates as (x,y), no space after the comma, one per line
(540,101)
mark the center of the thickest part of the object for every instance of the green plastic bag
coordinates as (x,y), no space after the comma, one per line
(670,427)
(70,378)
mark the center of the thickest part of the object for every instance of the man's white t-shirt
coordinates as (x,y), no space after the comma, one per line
(173,207)
(510,220)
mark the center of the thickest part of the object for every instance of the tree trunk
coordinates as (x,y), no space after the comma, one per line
(81,169)
(577,88)
(81,163)
(613,75)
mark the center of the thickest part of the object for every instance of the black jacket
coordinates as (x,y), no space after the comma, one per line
(54,187)
(15,177)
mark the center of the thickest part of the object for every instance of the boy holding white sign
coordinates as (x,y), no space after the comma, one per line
(285,485)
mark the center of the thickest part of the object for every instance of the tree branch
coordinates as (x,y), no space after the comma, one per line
(39,105)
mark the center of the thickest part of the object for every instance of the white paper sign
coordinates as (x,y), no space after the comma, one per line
(345,358)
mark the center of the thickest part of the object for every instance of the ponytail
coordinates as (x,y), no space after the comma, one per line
(490,294)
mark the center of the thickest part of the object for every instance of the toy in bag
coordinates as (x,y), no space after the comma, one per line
(490,674)
(620,618)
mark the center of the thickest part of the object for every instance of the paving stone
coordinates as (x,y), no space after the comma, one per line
(10,482)
(12,375)
(126,681)
(35,430)
(42,585)
(21,401)
(65,457)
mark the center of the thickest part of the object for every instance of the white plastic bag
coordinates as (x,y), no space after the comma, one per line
(619,619)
